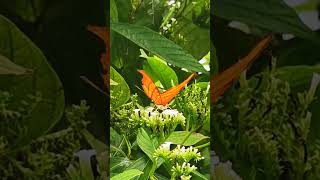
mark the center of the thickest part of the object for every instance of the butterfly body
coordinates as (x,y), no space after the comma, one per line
(222,81)
(161,98)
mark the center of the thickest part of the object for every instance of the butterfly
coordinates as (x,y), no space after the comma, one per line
(103,33)
(152,91)
(223,81)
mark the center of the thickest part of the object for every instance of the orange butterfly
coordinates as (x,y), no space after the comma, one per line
(153,92)
(103,33)
(222,81)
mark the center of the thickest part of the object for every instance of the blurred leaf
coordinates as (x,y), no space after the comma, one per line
(94,143)
(28,10)
(120,94)
(308,5)
(159,45)
(214,66)
(297,52)
(299,78)
(185,138)
(224,171)
(272,15)
(160,71)
(21,51)
(127,175)
(7,67)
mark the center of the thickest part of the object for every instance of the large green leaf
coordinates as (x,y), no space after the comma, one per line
(127,175)
(158,45)
(20,50)
(145,143)
(120,93)
(160,71)
(7,67)
(185,138)
(146,165)
(272,15)
(297,52)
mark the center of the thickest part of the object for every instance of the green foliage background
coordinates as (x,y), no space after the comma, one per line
(296,61)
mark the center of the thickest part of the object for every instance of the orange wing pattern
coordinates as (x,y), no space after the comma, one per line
(154,94)
(103,33)
(222,81)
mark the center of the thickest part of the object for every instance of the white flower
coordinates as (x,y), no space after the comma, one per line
(136,111)
(172,112)
(149,109)
(178,4)
(166,145)
(171,2)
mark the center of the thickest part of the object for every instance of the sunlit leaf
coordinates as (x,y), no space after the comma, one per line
(159,45)
(120,93)
(185,138)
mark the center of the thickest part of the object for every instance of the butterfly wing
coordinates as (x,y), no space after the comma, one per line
(222,81)
(169,94)
(102,33)
(149,88)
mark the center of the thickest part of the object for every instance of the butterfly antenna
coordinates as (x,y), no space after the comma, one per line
(139,88)
(86,80)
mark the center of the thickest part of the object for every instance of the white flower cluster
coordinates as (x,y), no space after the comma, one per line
(179,158)
(183,170)
(186,154)
(174,3)
(157,119)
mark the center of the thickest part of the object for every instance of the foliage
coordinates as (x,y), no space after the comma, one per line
(267,127)
(171,141)
(42,135)
(266,132)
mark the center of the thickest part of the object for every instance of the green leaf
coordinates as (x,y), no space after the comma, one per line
(145,143)
(291,52)
(200,176)
(113,83)
(7,67)
(158,45)
(146,165)
(94,143)
(196,40)
(120,93)
(160,71)
(127,175)
(113,11)
(272,15)
(21,51)
(185,138)
(119,163)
